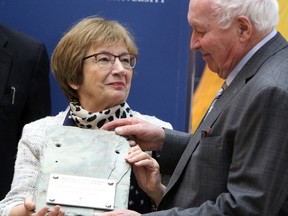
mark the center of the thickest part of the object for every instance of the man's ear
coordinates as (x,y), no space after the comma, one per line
(245,27)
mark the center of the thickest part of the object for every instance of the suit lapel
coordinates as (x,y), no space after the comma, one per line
(246,73)
(5,63)
(204,127)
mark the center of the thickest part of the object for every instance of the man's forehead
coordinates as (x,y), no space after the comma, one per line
(200,13)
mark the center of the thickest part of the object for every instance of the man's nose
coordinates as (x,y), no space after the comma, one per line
(194,42)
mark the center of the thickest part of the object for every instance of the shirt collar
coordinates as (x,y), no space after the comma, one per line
(245,59)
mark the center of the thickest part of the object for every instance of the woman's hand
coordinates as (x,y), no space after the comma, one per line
(146,170)
(28,209)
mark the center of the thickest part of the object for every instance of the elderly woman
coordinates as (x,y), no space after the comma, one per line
(93,64)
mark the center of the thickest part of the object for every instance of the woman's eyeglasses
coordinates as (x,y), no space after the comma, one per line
(106,60)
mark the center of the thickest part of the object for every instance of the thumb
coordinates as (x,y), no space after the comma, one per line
(29,204)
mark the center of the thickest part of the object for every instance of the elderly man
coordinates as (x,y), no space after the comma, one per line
(236,162)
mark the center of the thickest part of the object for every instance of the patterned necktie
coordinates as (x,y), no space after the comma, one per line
(218,95)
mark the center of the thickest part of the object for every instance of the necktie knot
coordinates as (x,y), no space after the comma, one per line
(224,86)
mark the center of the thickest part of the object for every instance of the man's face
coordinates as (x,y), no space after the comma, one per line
(220,47)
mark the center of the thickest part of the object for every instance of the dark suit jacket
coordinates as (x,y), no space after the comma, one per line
(24,69)
(236,163)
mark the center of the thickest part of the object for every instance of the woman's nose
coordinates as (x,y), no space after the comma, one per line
(118,67)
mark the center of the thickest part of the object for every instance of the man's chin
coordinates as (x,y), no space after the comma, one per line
(213,68)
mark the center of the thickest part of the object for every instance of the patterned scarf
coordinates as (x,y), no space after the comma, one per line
(86,119)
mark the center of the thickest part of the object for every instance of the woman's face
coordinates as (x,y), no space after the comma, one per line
(103,88)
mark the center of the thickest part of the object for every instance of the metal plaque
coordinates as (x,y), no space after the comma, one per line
(84,171)
(81,191)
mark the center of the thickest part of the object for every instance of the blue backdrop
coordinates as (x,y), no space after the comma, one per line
(162,83)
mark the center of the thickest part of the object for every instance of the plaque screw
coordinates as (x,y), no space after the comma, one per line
(108,206)
(52,200)
(55,177)
(110,183)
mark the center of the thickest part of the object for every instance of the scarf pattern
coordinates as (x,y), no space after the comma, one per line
(92,120)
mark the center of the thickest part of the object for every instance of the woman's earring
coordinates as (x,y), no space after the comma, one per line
(75,87)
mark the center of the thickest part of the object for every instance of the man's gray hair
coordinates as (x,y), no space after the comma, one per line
(263,14)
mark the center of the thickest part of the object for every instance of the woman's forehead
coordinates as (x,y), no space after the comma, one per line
(120,46)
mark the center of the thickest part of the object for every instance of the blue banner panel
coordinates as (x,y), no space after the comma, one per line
(161,85)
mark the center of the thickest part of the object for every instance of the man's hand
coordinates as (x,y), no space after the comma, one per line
(119,212)
(148,136)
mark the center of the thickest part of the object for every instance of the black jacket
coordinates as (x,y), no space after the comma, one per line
(24,94)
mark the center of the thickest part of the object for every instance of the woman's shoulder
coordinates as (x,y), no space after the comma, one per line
(41,124)
(152,120)
(34,133)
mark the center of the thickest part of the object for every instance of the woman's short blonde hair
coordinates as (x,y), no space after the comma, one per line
(67,58)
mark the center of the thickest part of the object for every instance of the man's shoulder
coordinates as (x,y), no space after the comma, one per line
(19,38)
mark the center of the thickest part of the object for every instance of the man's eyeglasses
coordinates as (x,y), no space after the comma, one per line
(106,60)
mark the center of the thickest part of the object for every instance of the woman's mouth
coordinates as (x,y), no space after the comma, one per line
(117,85)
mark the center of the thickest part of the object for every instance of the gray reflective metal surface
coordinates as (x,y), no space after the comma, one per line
(87,153)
